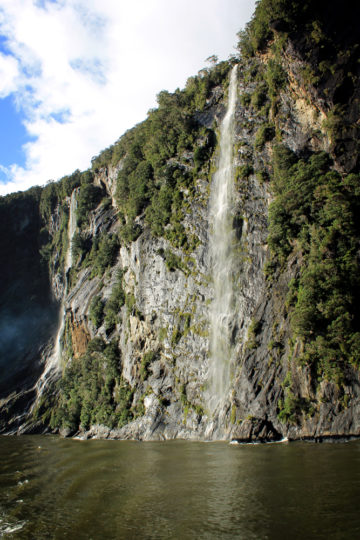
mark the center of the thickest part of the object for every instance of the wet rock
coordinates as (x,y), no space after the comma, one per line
(256,430)
(66,432)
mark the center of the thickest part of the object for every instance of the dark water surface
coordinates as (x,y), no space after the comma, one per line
(56,488)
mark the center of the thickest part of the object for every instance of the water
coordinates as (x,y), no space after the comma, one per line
(53,363)
(222,240)
(71,230)
(66,489)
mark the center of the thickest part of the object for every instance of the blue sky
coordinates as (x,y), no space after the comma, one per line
(76,74)
(13,134)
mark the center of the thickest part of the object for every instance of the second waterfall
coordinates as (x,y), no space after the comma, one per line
(222,240)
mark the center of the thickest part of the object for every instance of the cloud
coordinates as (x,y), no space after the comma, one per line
(8,75)
(84,71)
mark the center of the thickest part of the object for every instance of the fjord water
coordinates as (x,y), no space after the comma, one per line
(58,488)
(221,252)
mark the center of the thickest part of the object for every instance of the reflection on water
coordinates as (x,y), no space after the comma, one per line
(56,488)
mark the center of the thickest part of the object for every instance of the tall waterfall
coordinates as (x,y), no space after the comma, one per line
(71,230)
(222,239)
(53,363)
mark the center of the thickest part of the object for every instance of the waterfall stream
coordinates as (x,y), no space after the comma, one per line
(222,239)
(71,230)
(53,363)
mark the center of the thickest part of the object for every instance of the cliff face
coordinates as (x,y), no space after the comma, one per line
(28,314)
(134,348)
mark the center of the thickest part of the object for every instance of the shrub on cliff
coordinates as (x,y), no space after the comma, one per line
(92,390)
(96,311)
(317,211)
(88,198)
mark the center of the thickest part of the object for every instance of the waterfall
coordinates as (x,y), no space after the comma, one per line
(53,363)
(71,230)
(222,240)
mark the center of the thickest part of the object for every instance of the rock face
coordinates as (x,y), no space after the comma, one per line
(159,317)
(28,313)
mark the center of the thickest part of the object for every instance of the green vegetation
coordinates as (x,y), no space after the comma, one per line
(103,253)
(244,171)
(314,217)
(265,133)
(52,198)
(187,405)
(259,96)
(88,198)
(92,390)
(160,160)
(173,262)
(147,359)
(161,157)
(285,17)
(233,414)
(24,275)
(289,408)
(96,311)
(181,328)
(327,46)
(163,334)
(57,245)
(54,193)
(292,407)
(80,246)
(113,305)
(317,211)
(253,331)
(107,310)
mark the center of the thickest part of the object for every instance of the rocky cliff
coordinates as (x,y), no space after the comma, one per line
(132,354)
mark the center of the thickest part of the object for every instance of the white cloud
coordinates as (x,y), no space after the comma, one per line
(8,75)
(84,71)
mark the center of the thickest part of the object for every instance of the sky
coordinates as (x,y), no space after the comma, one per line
(76,74)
